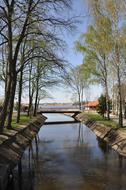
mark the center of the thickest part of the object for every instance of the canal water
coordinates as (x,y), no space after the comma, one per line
(69,157)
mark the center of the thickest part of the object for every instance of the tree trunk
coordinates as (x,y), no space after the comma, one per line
(82,98)
(106,87)
(125,110)
(120,98)
(19,96)
(37,86)
(36,100)
(107,100)
(113,100)
(30,107)
(8,69)
(3,114)
(30,101)
(11,102)
(38,103)
(79,99)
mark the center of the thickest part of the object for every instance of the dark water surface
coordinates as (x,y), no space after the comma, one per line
(69,157)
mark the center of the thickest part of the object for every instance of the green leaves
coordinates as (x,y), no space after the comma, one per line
(96,45)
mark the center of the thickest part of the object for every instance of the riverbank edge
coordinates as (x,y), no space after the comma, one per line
(115,138)
(13,144)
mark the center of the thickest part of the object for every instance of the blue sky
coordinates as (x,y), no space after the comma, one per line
(61,94)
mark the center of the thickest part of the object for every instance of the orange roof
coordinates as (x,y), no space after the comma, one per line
(92,104)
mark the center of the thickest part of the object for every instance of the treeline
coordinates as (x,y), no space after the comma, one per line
(78,79)
(29,51)
(104,49)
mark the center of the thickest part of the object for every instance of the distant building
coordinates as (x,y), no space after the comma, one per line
(91,105)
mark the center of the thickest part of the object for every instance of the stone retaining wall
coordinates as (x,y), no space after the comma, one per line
(114,137)
(14,142)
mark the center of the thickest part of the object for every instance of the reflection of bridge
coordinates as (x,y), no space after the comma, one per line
(60,122)
(73,113)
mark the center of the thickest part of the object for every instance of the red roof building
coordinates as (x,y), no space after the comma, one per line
(91,104)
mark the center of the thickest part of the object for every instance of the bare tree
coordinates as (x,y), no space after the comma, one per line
(77,81)
(20,17)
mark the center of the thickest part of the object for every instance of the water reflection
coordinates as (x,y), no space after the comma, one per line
(103,146)
(80,134)
(120,161)
(70,157)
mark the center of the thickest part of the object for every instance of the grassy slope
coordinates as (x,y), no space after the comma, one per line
(99,118)
(24,120)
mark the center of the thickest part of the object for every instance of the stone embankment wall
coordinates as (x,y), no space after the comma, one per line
(14,142)
(114,137)
(12,146)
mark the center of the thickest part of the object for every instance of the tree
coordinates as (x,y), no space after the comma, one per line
(96,44)
(21,20)
(102,106)
(78,81)
(104,43)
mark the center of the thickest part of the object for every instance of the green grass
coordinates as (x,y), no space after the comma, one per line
(98,118)
(24,120)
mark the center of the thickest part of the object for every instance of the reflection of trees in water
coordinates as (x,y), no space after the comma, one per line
(101,167)
(114,172)
(106,150)
(24,173)
(81,151)
(99,170)
(83,134)
(80,139)
(104,147)
(120,161)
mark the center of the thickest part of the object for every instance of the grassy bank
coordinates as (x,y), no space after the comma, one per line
(98,118)
(24,120)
